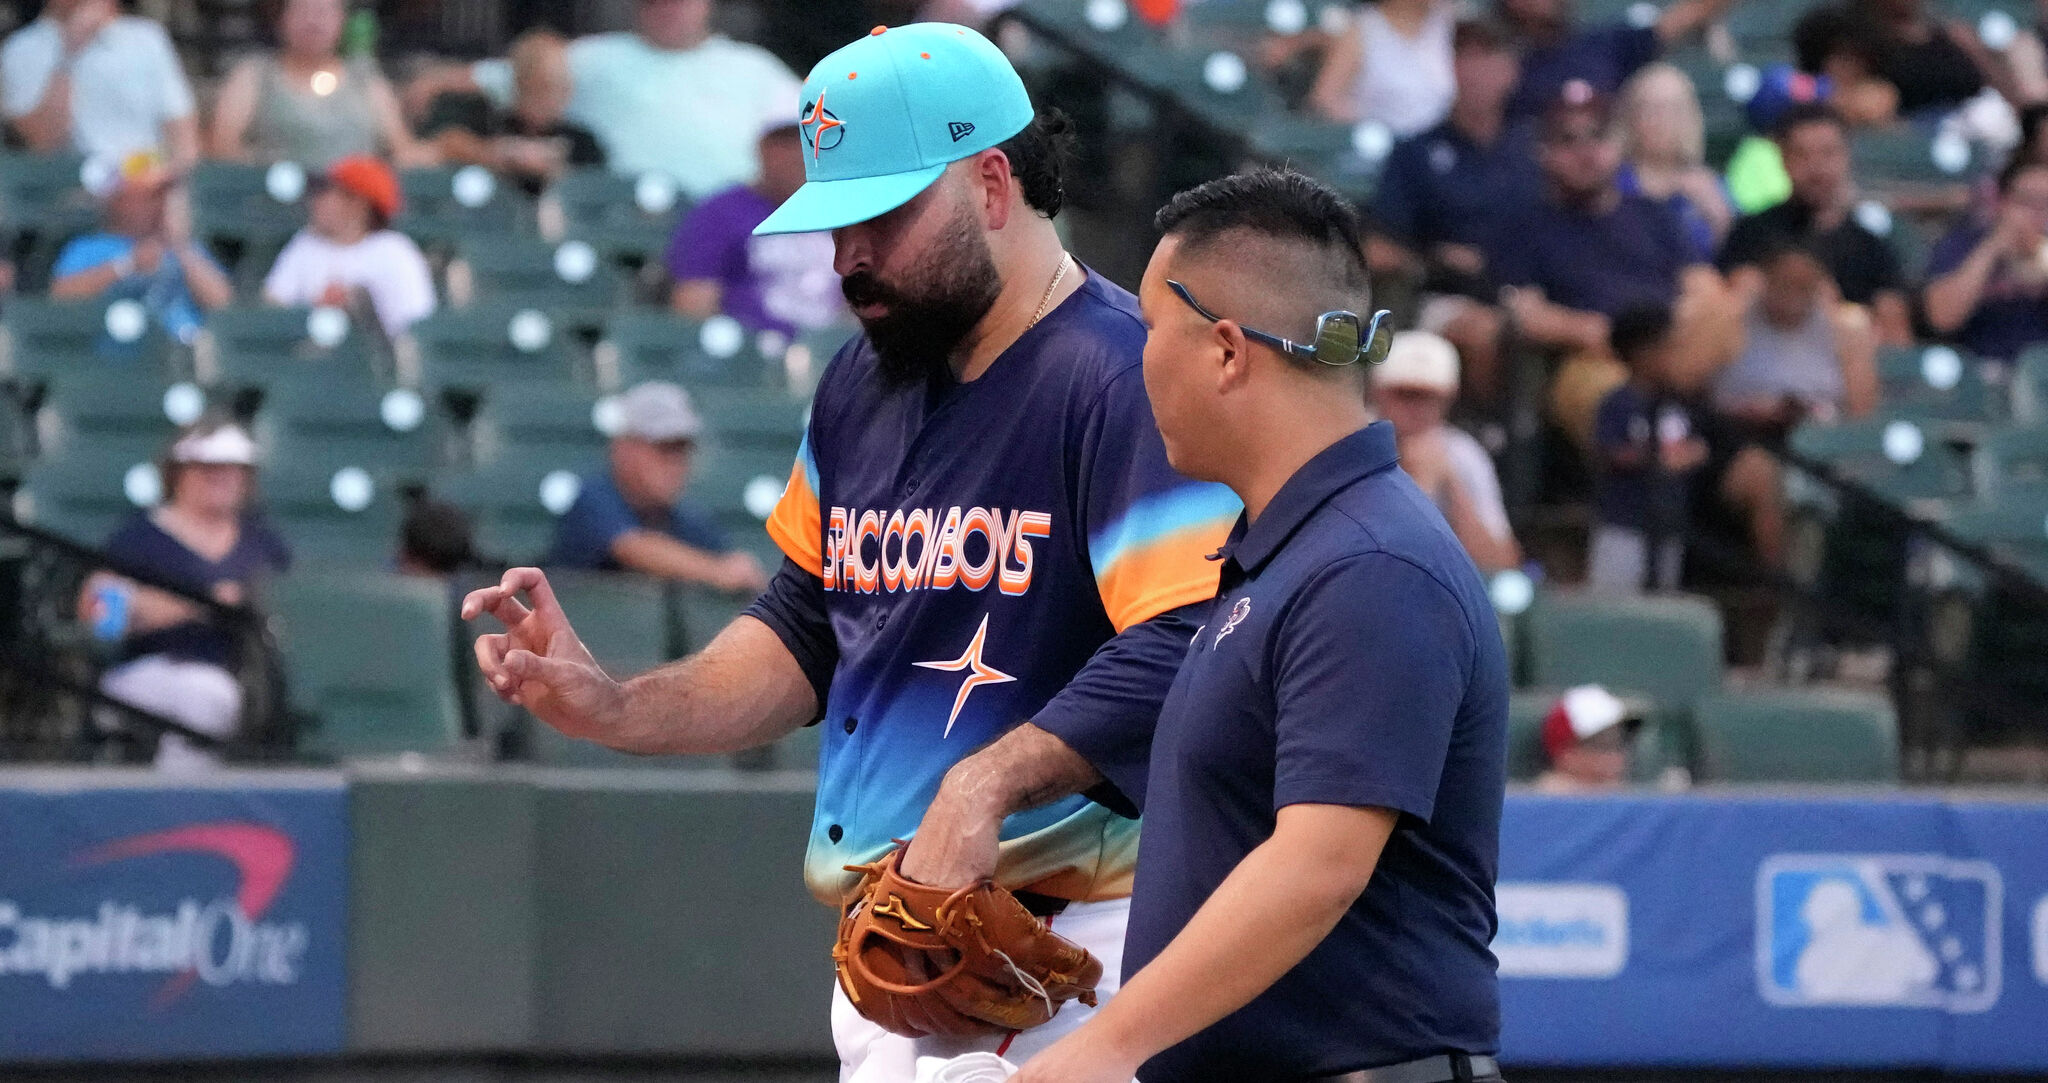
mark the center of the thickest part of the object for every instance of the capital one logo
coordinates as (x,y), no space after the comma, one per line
(220,941)
(1561,930)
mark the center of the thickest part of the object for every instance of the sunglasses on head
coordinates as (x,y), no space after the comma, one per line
(1342,338)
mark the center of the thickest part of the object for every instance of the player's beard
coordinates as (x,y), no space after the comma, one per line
(930,313)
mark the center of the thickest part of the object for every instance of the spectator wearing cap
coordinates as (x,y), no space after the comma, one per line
(779,282)
(1414,389)
(634,516)
(145,251)
(626,87)
(1555,51)
(1805,355)
(1588,252)
(1391,65)
(348,246)
(83,77)
(1814,144)
(528,140)
(1836,67)
(1663,148)
(1444,194)
(305,103)
(176,661)
(1587,738)
(1987,284)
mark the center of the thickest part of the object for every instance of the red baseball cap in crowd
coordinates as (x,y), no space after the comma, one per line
(370,178)
(1582,712)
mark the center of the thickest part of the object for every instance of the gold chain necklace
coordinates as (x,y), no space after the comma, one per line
(1066,261)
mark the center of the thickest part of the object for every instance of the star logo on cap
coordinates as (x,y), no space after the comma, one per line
(978,673)
(821,129)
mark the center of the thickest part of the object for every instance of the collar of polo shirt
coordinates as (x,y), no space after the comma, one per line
(1334,469)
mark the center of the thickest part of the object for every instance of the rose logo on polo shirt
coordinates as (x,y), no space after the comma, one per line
(822,130)
(1238,612)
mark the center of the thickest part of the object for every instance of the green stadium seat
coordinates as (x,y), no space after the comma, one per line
(261,345)
(554,424)
(45,336)
(104,408)
(1526,710)
(84,495)
(1901,459)
(514,523)
(1906,154)
(1797,735)
(2030,387)
(2011,457)
(567,280)
(397,698)
(35,188)
(232,202)
(737,417)
(2014,525)
(487,344)
(1938,383)
(737,485)
(608,210)
(445,205)
(648,344)
(703,613)
(333,511)
(351,424)
(1666,648)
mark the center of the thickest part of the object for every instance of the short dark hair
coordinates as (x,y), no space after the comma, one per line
(1778,246)
(1040,157)
(1831,31)
(1803,114)
(438,536)
(1637,329)
(1485,35)
(1279,203)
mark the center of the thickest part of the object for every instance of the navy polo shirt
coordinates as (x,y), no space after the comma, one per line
(1443,187)
(1606,262)
(1350,658)
(585,534)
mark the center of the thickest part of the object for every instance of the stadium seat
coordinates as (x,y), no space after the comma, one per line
(623,216)
(744,418)
(489,344)
(559,424)
(567,279)
(1797,735)
(332,510)
(2030,387)
(2011,457)
(86,494)
(233,203)
(1666,648)
(1933,382)
(646,344)
(102,408)
(1526,710)
(1901,459)
(515,501)
(1663,741)
(388,433)
(45,336)
(398,698)
(445,205)
(704,613)
(2014,525)
(1906,154)
(260,345)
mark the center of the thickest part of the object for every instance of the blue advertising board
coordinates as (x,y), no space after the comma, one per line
(156,921)
(1753,930)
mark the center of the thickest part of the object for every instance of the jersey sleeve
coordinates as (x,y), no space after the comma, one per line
(1149,530)
(795,525)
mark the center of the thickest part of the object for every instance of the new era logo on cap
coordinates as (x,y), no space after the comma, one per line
(960,129)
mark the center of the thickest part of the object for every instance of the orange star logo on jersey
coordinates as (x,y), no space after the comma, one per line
(978,672)
(821,129)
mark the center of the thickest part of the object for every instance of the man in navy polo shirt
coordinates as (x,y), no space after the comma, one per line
(1322,802)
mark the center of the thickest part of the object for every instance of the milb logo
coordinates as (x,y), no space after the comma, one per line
(1878,931)
(219,942)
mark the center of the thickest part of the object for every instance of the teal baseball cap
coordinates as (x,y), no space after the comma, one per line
(882,118)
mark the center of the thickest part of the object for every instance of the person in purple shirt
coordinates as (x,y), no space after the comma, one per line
(1556,52)
(1987,284)
(781,282)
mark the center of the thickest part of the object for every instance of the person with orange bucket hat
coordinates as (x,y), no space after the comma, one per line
(348,245)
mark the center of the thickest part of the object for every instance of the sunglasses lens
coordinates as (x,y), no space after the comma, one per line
(1382,342)
(1337,339)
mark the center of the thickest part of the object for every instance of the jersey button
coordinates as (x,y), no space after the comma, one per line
(835,833)
(881,619)
(851,723)
(910,487)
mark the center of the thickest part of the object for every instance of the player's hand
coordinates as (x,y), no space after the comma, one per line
(538,662)
(956,843)
(1079,1058)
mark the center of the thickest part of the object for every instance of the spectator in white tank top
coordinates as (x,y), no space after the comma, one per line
(1392,65)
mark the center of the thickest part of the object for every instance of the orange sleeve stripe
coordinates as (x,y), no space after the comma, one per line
(1168,572)
(795,525)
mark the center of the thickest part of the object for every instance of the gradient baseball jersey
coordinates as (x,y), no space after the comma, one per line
(976,544)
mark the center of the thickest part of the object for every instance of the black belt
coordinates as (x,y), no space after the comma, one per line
(1442,1068)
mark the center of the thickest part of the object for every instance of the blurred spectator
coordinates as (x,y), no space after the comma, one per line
(1649,448)
(634,517)
(625,87)
(1934,65)
(304,103)
(1663,147)
(1841,48)
(1805,354)
(84,77)
(348,245)
(1556,52)
(1414,388)
(782,283)
(1392,65)
(1988,282)
(1588,252)
(1443,195)
(436,539)
(177,662)
(1814,144)
(529,140)
(2028,58)
(1588,737)
(145,251)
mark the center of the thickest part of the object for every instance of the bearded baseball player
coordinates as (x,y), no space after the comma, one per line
(982,537)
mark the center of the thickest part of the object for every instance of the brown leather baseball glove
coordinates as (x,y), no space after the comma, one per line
(953,962)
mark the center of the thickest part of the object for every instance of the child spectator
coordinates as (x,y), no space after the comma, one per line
(1587,737)
(1647,449)
(1414,388)
(1663,147)
(84,77)
(783,282)
(305,103)
(1805,354)
(529,141)
(145,251)
(348,245)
